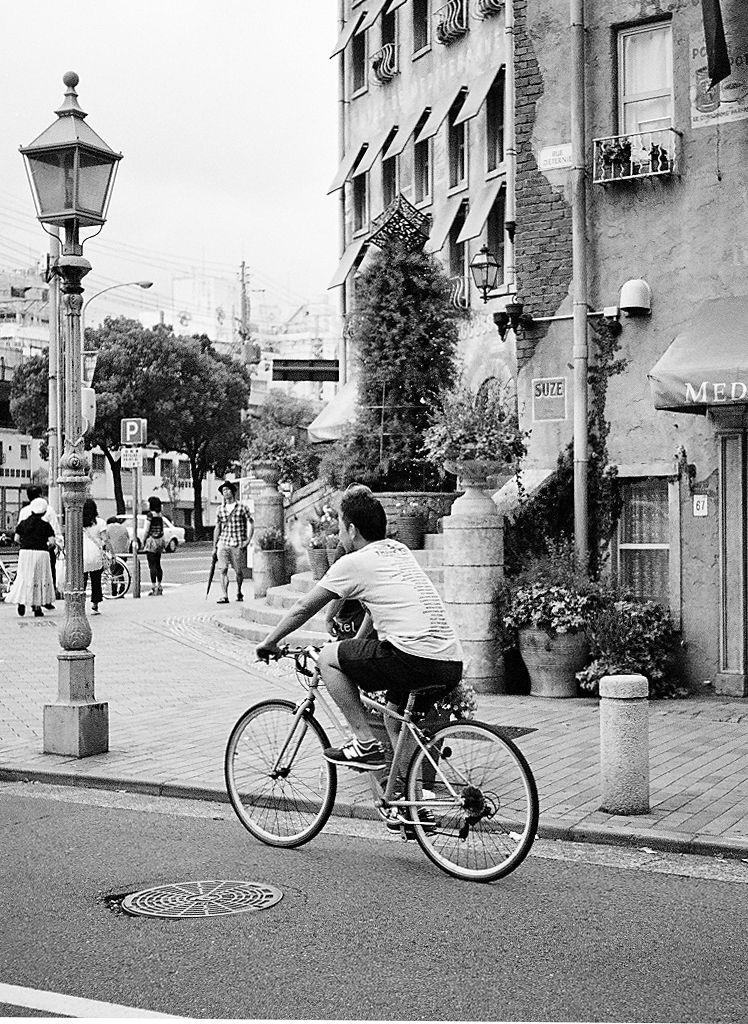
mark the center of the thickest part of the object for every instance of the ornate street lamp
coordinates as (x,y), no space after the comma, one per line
(485,271)
(71,171)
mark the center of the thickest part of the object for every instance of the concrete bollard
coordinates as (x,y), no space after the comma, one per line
(624,744)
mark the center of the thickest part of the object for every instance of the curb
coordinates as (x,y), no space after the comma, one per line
(699,844)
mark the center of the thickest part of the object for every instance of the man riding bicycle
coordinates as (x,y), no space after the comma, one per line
(415,645)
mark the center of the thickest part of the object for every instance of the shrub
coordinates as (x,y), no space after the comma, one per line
(467,426)
(632,637)
(270,540)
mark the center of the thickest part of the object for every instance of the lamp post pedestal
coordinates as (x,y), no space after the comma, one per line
(77,724)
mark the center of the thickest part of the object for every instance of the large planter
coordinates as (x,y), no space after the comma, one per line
(319,562)
(474,476)
(409,530)
(269,570)
(267,471)
(552,661)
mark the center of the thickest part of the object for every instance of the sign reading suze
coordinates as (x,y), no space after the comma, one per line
(709,393)
(549,398)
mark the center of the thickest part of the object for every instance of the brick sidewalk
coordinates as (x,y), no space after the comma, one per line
(176,682)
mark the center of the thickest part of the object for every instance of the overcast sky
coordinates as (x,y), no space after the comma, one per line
(225,112)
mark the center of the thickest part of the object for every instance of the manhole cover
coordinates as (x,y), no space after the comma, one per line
(201,899)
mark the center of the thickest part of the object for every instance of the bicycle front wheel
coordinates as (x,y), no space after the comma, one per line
(115,580)
(278,781)
(481,799)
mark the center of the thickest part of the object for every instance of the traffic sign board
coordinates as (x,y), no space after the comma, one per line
(133,431)
(132,458)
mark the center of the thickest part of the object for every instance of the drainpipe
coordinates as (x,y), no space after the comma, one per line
(510,150)
(343,343)
(580,350)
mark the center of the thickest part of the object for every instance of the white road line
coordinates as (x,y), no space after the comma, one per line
(73,1006)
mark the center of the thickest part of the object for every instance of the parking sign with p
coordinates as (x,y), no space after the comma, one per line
(133,431)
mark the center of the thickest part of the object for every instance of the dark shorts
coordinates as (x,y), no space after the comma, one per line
(376,665)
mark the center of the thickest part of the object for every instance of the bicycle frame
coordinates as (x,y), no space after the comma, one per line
(382,795)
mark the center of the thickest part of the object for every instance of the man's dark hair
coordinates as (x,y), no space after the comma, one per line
(366,513)
(112,519)
(33,492)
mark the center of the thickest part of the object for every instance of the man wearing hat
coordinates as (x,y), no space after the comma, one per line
(231,538)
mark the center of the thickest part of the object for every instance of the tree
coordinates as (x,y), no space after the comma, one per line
(29,398)
(278,434)
(404,336)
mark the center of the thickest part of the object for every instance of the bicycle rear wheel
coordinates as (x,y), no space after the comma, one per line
(278,781)
(115,584)
(483,802)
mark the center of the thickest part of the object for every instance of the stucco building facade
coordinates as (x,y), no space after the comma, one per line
(471,121)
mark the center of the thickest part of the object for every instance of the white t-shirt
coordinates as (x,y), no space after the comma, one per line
(403,602)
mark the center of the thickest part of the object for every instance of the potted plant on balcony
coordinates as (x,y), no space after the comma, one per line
(269,568)
(475,436)
(547,609)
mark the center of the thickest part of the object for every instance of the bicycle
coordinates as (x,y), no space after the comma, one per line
(115,577)
(469,797)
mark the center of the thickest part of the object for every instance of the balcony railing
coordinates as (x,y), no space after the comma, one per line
(459,293)
(451,21)
(384,63)
(634,156)
(488,8)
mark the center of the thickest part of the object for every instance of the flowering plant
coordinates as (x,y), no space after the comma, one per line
(409,506)
(469,427)
(270,540)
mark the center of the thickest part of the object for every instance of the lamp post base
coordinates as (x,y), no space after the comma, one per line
(77,725)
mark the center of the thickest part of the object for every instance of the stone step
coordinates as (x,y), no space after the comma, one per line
(268,615)
(254,632)
(433,541)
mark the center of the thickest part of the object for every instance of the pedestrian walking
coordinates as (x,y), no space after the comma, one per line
(153,545)
(33,583)
(231,538)
(94,539)
(53,519)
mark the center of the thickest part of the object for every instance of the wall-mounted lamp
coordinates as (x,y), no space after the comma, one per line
(485,270)
(511,316)
(636,298)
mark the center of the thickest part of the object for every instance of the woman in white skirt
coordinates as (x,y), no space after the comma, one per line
(33,583)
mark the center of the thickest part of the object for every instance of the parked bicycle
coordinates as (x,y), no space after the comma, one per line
(115,577)
(469,795)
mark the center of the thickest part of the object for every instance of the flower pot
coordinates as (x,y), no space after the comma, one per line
(267,471)
(319,562)
(269,570)
(473,474)
(552,661)
(409,530)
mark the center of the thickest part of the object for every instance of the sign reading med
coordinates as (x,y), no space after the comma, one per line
(133,431)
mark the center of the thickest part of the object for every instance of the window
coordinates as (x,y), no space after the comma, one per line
(495,123)
(389,181)
(421,24)
(458,250)
(358,62)
(98,463)
(183,470)
(457,146)
(149,465)
(495,232)
(167,467)
(645,78)
(643,555)
(422,165)
(360,203)
(24,452)
(389,28)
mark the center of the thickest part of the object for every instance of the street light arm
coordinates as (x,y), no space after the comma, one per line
(125,284)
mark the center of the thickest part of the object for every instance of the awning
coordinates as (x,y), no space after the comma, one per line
(707,364)
(347,165)
(395,4)
(348,261)
(372,151)
(438,112)
(506,498)
(405,129)
(476,95)
(374,9)
(347,33)
(479,211)
(335,416)
(442,223)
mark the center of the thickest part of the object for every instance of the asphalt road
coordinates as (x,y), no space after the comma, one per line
(367,928)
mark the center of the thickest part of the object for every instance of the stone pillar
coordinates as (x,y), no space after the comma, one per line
(624,744)
(269,514)
(268,506)
(473,569)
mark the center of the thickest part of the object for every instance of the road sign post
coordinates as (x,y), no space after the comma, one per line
(133,434)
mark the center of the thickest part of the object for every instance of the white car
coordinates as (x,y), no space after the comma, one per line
(173,535)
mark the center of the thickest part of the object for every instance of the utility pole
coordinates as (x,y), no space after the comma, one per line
(244,314)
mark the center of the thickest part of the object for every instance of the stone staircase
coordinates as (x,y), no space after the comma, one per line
(256,618)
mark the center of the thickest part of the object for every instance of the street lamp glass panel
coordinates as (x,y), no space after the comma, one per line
(94,177)
(53,178)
